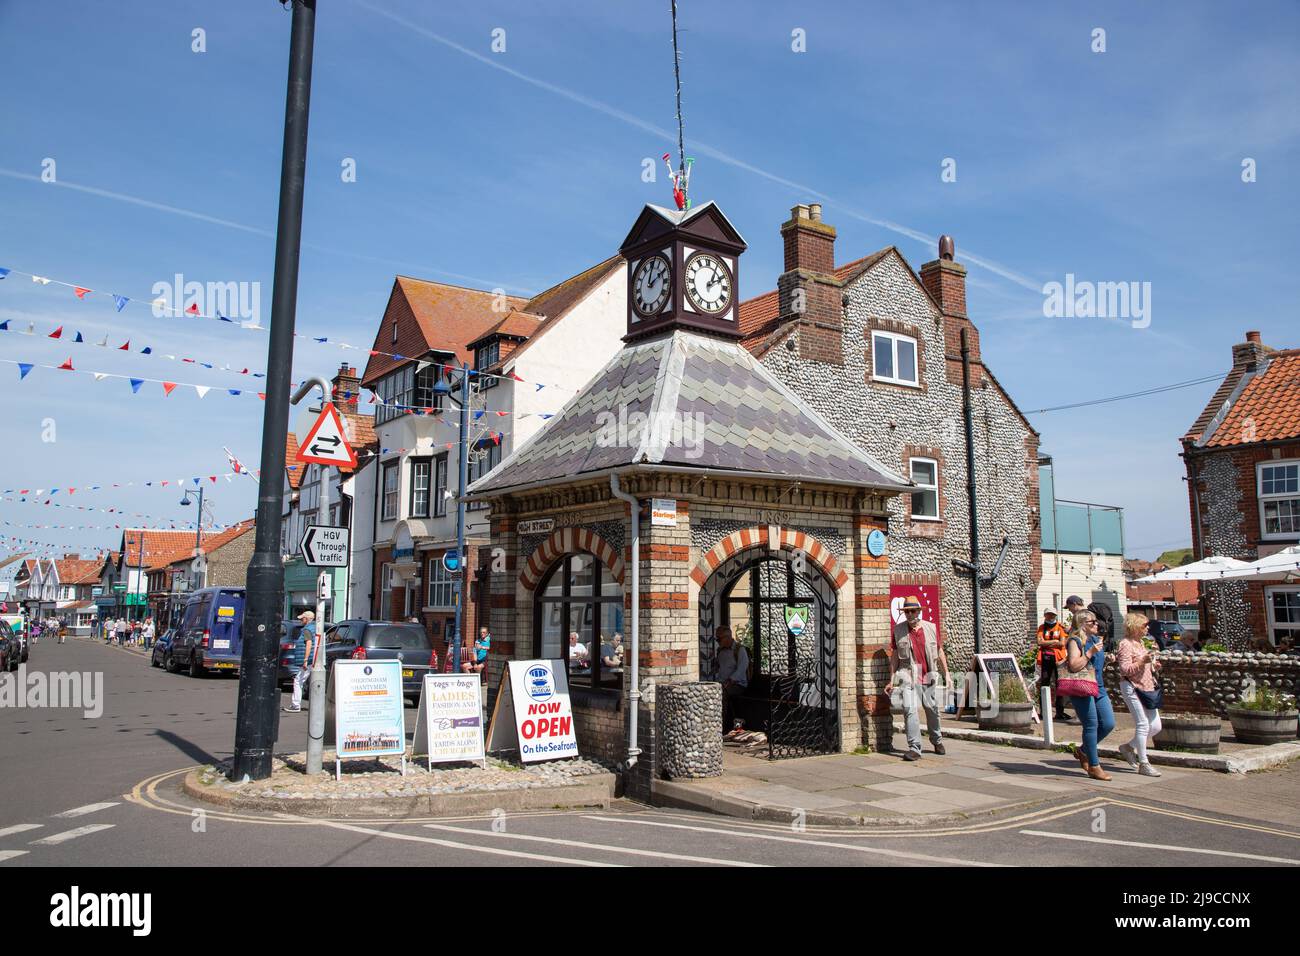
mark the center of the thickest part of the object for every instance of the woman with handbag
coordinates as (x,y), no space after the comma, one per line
(1137,668)
(1081,680)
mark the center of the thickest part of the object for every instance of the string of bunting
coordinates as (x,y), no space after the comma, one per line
(193,311)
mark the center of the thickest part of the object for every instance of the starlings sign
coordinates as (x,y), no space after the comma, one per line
(796,619)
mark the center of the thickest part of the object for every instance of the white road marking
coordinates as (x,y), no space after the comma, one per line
(1159,846)
(20,828)
(10,854)
(896,854)
(542,858)
(594,846)
(82,811)
(72,834)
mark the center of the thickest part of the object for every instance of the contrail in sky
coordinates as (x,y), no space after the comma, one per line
(631,120)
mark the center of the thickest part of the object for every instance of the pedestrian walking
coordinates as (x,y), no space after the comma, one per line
(1051,638)
(304,670)
(147,633)
(63,631)
(1082,681)
(917,660)
(1138,687)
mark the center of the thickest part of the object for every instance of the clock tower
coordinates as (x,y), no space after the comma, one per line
(683,271)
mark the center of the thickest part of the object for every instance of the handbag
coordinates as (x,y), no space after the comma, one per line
(1151,699)
(1077,683)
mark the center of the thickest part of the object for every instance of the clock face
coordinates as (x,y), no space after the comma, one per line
(651,285)
(708,283)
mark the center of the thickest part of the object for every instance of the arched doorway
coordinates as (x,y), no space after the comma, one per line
(578,617)
(793,693)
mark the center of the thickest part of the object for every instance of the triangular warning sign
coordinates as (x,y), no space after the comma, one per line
(326,444)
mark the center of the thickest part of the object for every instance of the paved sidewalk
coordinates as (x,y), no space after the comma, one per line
(972,779)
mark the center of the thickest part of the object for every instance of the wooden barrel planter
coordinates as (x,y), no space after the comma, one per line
(1263,726)
(1194,732)
(1010,718)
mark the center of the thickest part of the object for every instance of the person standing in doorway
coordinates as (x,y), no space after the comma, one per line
(308,619)
(733,672)
(917,661)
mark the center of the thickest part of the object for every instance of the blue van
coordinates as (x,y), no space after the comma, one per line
(210,633)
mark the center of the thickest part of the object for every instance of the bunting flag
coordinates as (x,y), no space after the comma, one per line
(202,390)
(3,273)
(23,369)
(57,333)
(136,383)
(193,309)
(167,387)
(125,346)
(120,301)
(80,292)
(67,366)
(4,326)
(79,338)
(41,280)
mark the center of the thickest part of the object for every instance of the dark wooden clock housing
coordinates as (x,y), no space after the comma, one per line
(678,236)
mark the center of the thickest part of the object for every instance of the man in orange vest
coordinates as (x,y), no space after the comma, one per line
(1051,652)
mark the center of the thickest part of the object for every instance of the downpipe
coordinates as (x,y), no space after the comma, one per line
(634,697)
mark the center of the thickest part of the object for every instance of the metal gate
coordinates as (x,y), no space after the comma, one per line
(794,677)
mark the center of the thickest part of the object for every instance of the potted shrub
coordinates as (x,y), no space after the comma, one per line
(1014,713)
(1267,717)
(1198,733)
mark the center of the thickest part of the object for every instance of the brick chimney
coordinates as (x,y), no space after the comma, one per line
(945,280)
(808,291)
(347,388)
(1249,353)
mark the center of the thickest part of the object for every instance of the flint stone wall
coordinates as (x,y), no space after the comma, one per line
(1207,682)
(688,720)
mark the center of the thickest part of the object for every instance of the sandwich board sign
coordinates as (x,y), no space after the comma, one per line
(533,714)
(325,443)
(369,718)
(449,723)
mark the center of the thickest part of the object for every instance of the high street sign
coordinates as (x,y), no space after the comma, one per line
(326,444)
(325,547)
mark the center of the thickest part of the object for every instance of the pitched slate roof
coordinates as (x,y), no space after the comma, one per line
(1268,407)
(748,423)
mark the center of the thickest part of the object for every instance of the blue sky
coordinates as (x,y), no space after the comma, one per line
(519,168)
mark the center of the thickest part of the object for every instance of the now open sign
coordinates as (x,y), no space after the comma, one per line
(533,713)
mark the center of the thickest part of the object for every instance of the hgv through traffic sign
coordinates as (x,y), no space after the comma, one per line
(325,547)
(326,444)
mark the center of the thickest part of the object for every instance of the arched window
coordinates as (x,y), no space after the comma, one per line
(578,617)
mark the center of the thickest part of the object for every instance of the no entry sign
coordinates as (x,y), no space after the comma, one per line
(325,547)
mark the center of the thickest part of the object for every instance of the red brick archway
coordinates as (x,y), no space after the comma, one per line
(771,538)
(565,541)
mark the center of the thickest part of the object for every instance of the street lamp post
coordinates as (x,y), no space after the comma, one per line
(256,723)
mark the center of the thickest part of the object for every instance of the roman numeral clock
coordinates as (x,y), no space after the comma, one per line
(682,272)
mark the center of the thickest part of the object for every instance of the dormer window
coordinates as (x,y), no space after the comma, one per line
(484,358)
(893,359)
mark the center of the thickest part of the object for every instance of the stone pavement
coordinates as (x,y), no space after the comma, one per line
(972,779)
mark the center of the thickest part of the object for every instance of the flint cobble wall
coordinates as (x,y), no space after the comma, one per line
(1206,683)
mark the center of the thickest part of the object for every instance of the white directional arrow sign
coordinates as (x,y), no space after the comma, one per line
(326,444)
(325,547)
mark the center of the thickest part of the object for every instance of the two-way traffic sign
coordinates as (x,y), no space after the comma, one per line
(325,547)
(326,444)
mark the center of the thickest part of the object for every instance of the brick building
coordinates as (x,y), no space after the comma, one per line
(876,348)
(1242,456)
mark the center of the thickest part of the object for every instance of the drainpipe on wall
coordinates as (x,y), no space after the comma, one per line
(634,698)
(971,488)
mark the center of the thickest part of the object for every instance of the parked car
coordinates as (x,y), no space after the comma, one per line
(1165,633)
(292,649)
(9,652)
(209,636)
(362,640)
(158,656)
(12,625)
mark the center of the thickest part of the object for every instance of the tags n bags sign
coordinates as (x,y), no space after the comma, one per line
(367,703)
(533,714)
(449,723)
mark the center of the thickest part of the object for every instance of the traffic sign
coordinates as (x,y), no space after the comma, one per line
(325,547)
(451,561)
(326,444)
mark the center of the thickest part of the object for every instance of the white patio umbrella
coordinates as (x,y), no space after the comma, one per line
(1206,569)
(1283,566)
